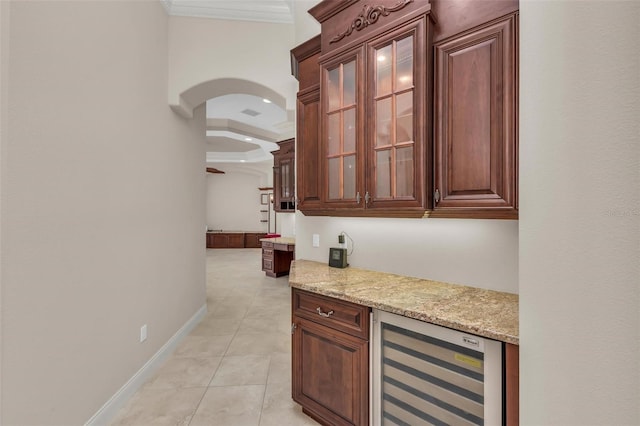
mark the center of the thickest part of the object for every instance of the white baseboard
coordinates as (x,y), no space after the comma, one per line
(109,410)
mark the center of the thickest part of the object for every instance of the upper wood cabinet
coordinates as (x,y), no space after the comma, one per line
(476,122)
(374,107)
(392,124)
(284,177)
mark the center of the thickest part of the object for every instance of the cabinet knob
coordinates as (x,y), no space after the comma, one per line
(367,197)
(436,196)
(358,197)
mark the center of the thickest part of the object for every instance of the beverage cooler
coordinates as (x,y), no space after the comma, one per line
(424,374)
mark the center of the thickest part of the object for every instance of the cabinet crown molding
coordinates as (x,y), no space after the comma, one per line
(369,16)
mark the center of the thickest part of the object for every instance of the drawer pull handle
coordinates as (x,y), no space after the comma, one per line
(324,314)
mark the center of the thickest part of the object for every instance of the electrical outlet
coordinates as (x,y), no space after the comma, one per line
(143,333)
(316,240)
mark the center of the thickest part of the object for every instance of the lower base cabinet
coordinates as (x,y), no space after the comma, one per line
(330,359)
(330,362)
(234,239)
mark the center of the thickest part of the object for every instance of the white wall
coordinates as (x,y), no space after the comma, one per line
(286,224)
(203,49)
(4,111)
(580,213)
(480,253)
(102,205)
(306,26)
(233,198)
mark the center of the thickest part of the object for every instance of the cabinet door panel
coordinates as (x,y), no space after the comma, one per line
(397,138)
(342,164)
(330,373)
(475,133)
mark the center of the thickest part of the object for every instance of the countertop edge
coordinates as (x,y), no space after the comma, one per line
(323,288)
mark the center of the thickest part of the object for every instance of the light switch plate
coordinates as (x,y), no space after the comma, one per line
(316,240)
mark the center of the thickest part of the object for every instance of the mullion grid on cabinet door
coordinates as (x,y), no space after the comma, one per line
(340,154)
(393,145)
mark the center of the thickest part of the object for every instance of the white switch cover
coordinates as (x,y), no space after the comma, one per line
(143,333)
(316,240)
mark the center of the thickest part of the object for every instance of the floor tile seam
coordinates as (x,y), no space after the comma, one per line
(195,410)
(226,350)
(264,393)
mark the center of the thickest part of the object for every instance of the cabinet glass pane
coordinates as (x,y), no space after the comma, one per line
(350,130)
(404,172)
(383,174)
(349,70)
(404,63)
(334,178)
(350,176)
(333,89)
(383,70)
(384,61)
(333,137)
(383,122)
(404,117)
(285,184)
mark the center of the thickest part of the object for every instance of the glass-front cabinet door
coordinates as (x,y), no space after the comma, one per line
(342,137)
(396,135)
(374,125)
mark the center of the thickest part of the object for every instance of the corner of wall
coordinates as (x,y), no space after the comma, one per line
(4,84)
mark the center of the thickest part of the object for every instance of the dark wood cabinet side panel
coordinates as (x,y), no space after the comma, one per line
(309,72)
(512,385)
(304,62)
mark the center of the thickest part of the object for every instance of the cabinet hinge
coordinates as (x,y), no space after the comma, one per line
(293,327)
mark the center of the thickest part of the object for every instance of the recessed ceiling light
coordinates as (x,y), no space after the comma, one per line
(247,139)
(266,101)
(381,58)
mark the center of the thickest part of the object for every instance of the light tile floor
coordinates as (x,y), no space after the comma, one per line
(234,368)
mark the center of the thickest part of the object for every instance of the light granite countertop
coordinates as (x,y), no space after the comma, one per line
(485,313)
(280,240)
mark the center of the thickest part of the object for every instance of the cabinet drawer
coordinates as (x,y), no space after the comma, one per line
(337,314)
(267,264)
(267,253)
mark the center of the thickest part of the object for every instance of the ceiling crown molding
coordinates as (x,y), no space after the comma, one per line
(274,11)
